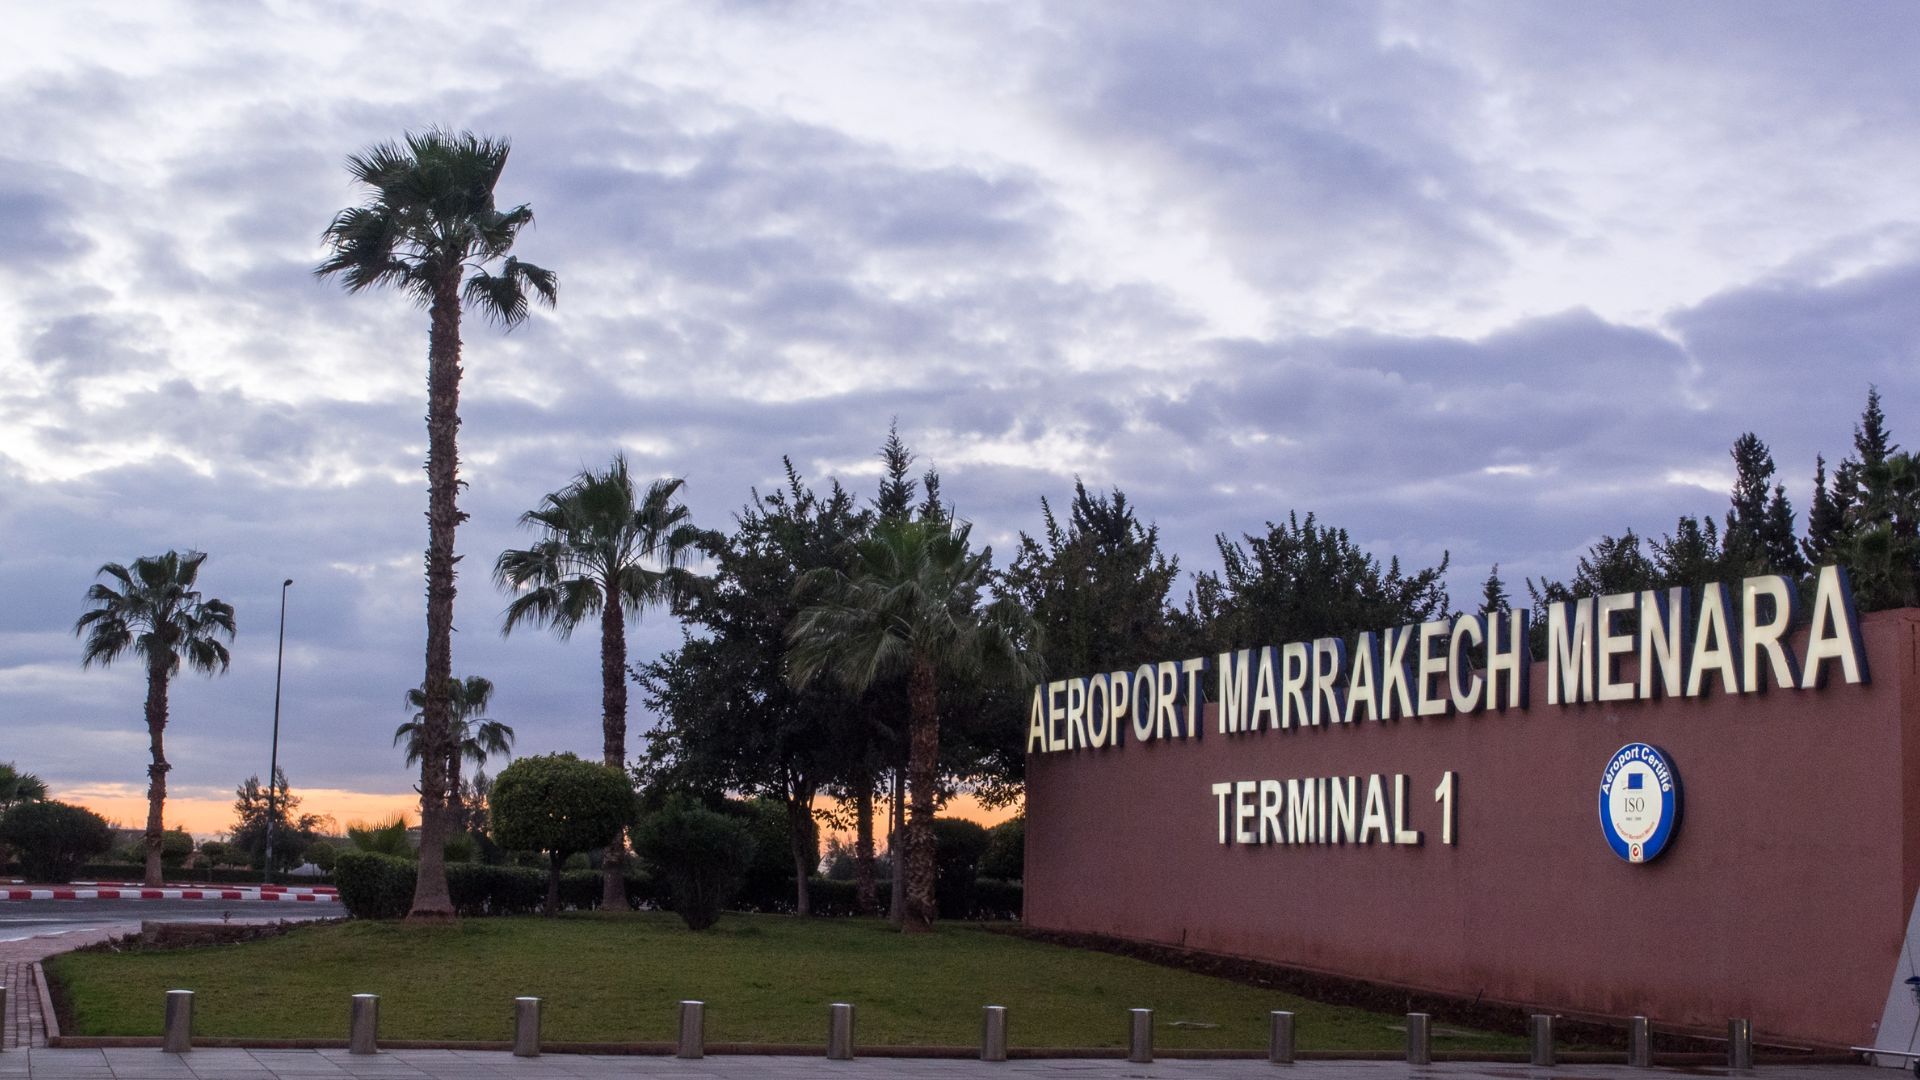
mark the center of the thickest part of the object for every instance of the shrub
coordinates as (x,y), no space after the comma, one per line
(375,886)
(559,804)
(175,846)
(52,840)
(477,889)
(994,899)
(957,847)
(322,854)
(833,898)
(701,855)
(1006,855)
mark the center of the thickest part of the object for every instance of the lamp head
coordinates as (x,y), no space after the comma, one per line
(286,583)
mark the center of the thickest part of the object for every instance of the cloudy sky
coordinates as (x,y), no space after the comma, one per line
(1487,279)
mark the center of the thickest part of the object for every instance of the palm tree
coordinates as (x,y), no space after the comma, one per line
(606,551)
(430,227)
(17,787)
(911,605)
(472,737)
(156,612)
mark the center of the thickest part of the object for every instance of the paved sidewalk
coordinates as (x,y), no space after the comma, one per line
(22,1027)
(462,1064)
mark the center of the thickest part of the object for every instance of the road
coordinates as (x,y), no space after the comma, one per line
(20,919)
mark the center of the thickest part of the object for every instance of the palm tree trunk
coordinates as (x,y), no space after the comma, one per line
(157,771)
(613,729)
(431,899)
(865,899)
(456,800)
(923,760)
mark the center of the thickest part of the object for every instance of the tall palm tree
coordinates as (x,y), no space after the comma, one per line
(430,228)
(156,612)
(604,550)
(911,604)
(472,737)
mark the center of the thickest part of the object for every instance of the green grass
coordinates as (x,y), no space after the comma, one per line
(766,979)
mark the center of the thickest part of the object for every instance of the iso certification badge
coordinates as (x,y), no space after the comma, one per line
(1639,802)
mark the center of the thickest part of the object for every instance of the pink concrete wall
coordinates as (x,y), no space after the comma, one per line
(1783,897)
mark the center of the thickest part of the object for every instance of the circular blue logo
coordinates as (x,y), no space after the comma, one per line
(1639,802)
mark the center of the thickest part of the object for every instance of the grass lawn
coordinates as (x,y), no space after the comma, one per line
(765,979)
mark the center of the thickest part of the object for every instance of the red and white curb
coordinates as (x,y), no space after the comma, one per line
(245,895)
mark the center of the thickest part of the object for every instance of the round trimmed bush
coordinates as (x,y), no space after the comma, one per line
(52,840)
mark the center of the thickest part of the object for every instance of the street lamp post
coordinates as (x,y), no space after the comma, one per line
(273,762)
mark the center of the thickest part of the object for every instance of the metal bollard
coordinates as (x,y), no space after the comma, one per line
(1639,1043)
(693,1030)
(1739,1044)
(840,1032)
(1540,1031)
(993,1034)
(1419,1039)
(526,1027)
(1280,1043)
(179,1030)
(1139,1036)
(363,1026)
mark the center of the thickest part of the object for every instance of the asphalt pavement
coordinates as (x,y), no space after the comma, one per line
(22,919)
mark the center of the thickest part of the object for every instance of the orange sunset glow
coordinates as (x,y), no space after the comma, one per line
(207,814)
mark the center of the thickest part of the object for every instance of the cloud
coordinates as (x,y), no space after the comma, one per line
(1488,283)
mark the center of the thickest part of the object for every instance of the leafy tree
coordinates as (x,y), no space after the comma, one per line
(471,736)
(252,809)
(430,227)
(1690,554)
(323,854)
(157,613)
(729,718)
(702,855)
(175,846)
(838,861)
(1097,587)
(54,839)
(958,845)
(1303,581)
(17,787)
(560,805)
(1006,854)
(911,602)
(604,550)
(1614,564)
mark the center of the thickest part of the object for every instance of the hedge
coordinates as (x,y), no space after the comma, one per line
(991,900)
(381,887)
(226,875)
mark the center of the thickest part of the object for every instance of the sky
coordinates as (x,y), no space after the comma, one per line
(1486,280)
